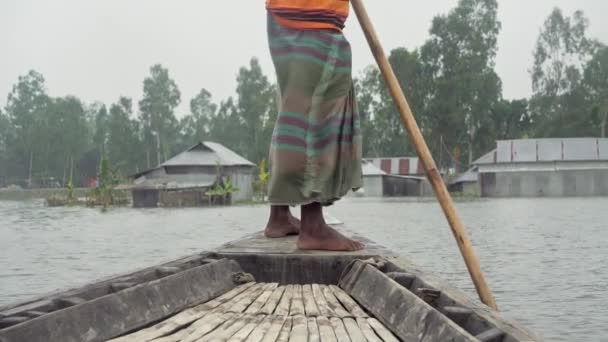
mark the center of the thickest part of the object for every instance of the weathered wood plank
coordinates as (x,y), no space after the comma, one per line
(258,333)
(165,327)
(275,328)
(382,331)
(324,308)
(204,326)
(245,301)
(255,307)
(226,330)
(310,305)
(128,310)
(348,302)
(285,303)
(333,302)
(299,331)
(183,318)
(367,330)
(353,330)
(248,292)
(326,331)
(285,330)
(244,332)
(273,301)
(297,303)
(226,297)
(313,330)
(339,329)
(409,317)
(175,337)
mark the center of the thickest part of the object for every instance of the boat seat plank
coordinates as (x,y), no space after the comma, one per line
(299,330)
(348,302)
(382,331)
(205,325)
(273,301)
(275,329)
(246,301)
(257,305)
(224,331)
(244,332)
(326,331)
(324,308)
(228,296)
(310,305)
(313,330)
(339,329)
(258,333)
(165,327)
(182,319)
(285,303)
(367,330)
(333,302)
(285,330)
(353,330)
(297,303)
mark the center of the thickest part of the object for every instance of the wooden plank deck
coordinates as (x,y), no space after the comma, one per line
(265,312)
(259,245)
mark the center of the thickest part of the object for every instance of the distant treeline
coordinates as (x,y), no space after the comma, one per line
(450,82)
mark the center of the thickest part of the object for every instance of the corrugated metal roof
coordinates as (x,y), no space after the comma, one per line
(174,182)
(208,154)
(547,150)
(471,176)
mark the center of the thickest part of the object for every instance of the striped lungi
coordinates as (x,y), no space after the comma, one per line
(315,153)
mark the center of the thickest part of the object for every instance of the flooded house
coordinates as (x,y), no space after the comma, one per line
(545,167)
(466,183)
(378,181)
(186,179)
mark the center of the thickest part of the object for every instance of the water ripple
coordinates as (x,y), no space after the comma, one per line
(545,259)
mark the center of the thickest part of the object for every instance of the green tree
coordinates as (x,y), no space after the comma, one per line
(66,138)
(196,126)
(124,147)
(26,107)
(510,120)
(596,84)
(5,129)
(100,138)
(157,117)
(255,108)
(459,56)
(410,73)
(562,50)
(225,126)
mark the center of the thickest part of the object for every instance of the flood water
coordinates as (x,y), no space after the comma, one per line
(545,259)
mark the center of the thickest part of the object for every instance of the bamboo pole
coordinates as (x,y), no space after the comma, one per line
(445,200)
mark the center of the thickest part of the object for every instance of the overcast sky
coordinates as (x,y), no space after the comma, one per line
(99,50)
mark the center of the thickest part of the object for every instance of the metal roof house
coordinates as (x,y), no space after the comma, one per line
(184,179)
(545,167)
(379,183)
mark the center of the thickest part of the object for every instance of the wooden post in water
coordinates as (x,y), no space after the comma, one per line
(445,200)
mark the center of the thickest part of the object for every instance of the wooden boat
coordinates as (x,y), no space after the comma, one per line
(258,289)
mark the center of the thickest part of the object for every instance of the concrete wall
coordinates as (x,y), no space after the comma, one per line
(243,181)
(545,183)
(372,185)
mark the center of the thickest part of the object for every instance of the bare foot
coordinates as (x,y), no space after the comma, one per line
(281,223)
(327,239)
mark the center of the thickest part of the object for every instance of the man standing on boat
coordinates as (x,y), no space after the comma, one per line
(315,152)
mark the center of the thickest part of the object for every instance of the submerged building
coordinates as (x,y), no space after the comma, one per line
(545,167)
(185,180)
(378,181)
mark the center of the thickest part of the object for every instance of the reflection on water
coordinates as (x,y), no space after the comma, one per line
(545,259)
